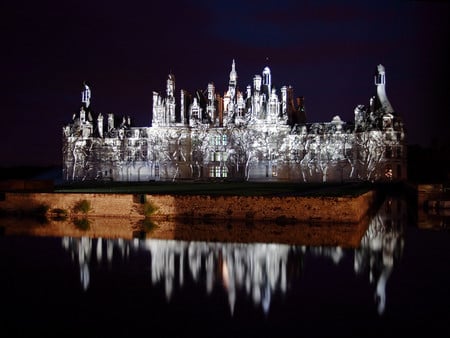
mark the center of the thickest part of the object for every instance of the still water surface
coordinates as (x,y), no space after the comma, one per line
(396,282)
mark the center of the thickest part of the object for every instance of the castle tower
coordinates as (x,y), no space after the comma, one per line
(184,106)
(170,100)
(232,84)
(256,98)
(210,107)
(267,80)
(380,82)
(100,124)
(156,112)
(170,89)
(82,116)
(273,107)
(110,121)
(248,92)
(266,91)
(86,95)
(257,83)
(284,101)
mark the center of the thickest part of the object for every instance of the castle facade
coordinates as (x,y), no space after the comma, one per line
(259,134)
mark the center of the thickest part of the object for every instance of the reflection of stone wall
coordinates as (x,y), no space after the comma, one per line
(99,227)
(344,235)
(284,209)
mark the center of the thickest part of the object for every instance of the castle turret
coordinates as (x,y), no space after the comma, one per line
(380,82)
(284,101)
(232,84)
(110,121)
(267,80)
(100,125)
(185,102)
(86,95)
(210,107)
(170,100)
(170,86)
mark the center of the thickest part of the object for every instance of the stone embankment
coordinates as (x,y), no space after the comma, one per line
(289,209)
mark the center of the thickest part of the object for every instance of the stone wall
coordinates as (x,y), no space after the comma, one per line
(255,208)
(120,205)
(259,208)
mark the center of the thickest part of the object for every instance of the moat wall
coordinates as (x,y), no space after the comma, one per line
(253,208)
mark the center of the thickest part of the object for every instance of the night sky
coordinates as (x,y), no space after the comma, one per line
(327,50)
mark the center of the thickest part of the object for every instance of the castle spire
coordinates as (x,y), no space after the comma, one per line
(233,74)
(86,95)
(380,82)
(232,84)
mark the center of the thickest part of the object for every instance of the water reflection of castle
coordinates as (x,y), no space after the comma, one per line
(258,270)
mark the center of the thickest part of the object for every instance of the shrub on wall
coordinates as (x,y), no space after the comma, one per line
(58,214)
(149,209)
(83,206)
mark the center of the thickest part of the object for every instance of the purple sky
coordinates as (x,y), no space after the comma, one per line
(327,50)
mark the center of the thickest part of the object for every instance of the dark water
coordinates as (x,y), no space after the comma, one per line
(394,284)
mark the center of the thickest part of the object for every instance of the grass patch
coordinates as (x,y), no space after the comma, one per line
(149,209)
(148,225)
(83,206)
(58,214)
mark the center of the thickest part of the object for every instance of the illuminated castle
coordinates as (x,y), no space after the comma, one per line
(258,134)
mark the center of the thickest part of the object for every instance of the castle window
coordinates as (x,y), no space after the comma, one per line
(156,170)
(218,171)
(274,170)
(224,140)
(224,172)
